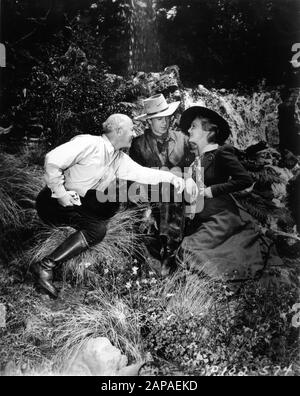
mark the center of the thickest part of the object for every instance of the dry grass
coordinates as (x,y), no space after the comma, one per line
(188,293)
(19,186)
(110,317)
(120,243)
(43,336)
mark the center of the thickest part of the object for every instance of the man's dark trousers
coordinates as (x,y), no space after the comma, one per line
(91,218)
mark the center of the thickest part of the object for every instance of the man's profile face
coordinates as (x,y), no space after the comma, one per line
(160,125)
(126,133)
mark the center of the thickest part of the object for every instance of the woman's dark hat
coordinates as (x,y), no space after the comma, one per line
(193,112)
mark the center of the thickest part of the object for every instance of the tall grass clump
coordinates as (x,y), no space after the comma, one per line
(19,186)
(109,317)
(121,243)
(20,183)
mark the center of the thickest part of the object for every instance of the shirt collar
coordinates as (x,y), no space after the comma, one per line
(108,144)
(209,147)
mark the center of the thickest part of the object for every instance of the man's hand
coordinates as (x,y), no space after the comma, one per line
(70,199)
(178,183)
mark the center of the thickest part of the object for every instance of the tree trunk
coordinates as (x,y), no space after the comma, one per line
(144,44)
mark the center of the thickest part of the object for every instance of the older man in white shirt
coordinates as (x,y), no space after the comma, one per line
(76,173)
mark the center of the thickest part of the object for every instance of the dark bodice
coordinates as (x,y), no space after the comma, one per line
(223,172)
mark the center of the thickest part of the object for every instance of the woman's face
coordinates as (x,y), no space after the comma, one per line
(198,136)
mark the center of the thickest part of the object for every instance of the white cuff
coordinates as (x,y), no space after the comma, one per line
(59,192)
(208,193)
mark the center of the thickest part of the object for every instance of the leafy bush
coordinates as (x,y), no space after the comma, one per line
(67,97)
(249,331)
(61,82)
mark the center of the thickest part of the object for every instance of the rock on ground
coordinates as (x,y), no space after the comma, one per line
(99,357)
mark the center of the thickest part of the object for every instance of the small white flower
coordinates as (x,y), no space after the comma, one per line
(128,285)
(87,265)
(94,5)
(135,270)
(283,316)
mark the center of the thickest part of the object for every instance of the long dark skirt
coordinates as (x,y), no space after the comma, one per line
(224,242)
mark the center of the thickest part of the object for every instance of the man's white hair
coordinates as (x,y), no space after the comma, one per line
(114,122)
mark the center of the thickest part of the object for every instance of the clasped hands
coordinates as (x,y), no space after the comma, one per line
(71,198)
(191,189)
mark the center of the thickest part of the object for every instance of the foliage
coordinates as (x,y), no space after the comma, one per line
(247,333)
(66,97)
(225,42)
(186,321)
(61,85)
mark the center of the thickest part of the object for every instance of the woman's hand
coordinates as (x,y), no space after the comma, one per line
(191,190)
(208,193)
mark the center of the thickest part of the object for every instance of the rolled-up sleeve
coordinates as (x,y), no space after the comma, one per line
(130,170)
(60,159)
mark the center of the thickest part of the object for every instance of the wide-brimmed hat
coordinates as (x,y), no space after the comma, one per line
(157,106)
(193,112)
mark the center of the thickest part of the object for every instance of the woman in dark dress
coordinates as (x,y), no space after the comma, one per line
(221,239)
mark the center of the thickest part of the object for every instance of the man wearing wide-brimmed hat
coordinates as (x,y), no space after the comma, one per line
(160,146)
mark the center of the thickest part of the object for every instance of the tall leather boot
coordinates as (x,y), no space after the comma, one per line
(43,270)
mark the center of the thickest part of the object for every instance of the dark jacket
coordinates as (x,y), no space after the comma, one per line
(144,150)
(223,172)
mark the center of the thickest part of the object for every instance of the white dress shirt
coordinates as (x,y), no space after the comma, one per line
(91,162)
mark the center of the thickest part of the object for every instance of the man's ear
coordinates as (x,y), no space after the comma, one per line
(119,131)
